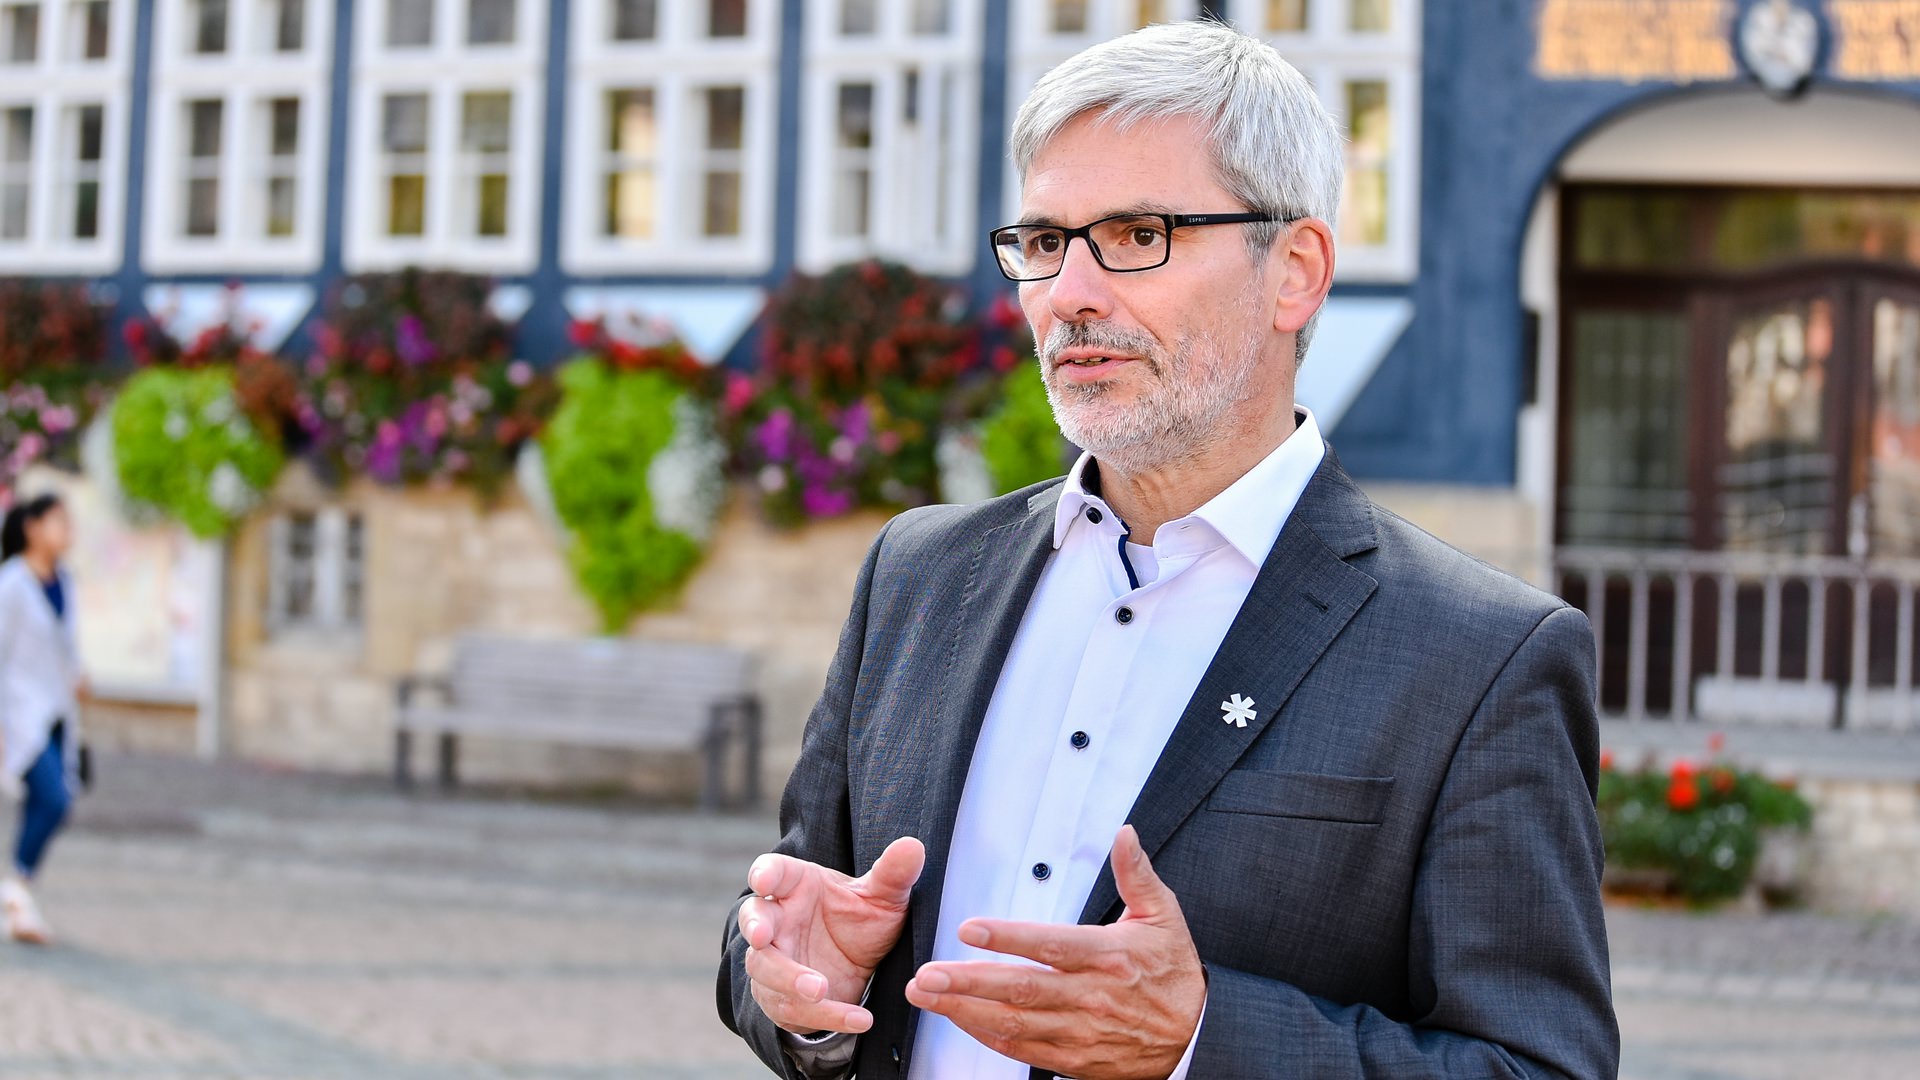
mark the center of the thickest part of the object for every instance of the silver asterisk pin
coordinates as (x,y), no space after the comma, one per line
(1237,710)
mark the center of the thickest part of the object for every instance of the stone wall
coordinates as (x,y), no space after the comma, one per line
(1866,849)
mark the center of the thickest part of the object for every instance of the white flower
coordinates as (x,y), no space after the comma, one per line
(530,470)
(218,411)
(176,426)
(686,477)
(229,491)
(773,479)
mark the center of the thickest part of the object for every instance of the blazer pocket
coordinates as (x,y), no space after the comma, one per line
(1357,800)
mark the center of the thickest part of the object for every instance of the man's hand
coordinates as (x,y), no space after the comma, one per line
(815,935)
(1112,1003)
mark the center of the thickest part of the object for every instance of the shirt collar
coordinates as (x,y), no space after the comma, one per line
(1249,514)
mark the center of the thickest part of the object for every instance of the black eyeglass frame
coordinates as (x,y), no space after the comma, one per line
(1085,232)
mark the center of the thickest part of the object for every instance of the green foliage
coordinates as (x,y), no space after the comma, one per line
(183,446)
(1701,826)
(609,428)
(1019,439)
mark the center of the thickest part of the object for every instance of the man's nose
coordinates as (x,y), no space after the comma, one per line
(1083,288)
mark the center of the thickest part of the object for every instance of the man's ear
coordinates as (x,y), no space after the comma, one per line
(1302,263)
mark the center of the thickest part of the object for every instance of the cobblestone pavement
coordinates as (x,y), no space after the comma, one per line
(238,923)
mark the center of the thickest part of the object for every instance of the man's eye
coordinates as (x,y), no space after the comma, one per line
(1142,236)
(1044,244)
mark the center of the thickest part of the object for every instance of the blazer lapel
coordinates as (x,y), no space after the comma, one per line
(1006,569)
(1304,595)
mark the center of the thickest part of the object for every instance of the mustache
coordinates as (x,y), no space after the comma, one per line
(1100,335)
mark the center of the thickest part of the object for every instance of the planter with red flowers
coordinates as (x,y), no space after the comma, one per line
(54,374)
(1698,831)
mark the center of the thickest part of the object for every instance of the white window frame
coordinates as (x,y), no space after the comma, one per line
(446,71)
(899,221)
(55,86)
(336,575)
(677,64)
(245,77)
(1331,56)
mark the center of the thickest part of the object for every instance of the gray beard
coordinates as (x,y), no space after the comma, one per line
(1186,414)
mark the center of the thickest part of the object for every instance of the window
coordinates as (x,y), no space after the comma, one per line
(486,143)
(202,214)
(20,27)
(280,175)
(316,571)
(16,171)
(1364,58)
(209,27)
(404,138)
(85,152)
(287,29)
(409,23)
(679,126)
(891,128)
(90,29)
(490,22)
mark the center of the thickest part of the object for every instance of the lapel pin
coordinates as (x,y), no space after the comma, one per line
(1237,710)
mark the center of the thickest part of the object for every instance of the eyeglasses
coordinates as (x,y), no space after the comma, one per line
(1123,244)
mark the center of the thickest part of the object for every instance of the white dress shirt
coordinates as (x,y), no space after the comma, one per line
(1107,655)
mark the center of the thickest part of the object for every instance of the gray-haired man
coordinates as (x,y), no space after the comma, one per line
(1196,764)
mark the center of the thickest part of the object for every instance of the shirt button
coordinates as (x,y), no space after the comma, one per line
(1041,871)
(1079,740)
(1123,616)
(1094,515)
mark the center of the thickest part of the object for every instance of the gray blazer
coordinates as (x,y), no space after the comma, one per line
(1394,873)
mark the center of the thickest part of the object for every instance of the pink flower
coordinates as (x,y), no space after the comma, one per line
(519,373)
(739,393)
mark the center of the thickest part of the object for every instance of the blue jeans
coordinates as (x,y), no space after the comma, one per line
(45,808)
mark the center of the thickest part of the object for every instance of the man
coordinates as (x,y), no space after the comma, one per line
(1196,764)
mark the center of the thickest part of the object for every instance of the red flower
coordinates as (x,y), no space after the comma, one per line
(1682,793)
(1606,759)
(1722,780)
(1683,769)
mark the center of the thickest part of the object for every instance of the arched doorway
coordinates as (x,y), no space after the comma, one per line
(1735,406)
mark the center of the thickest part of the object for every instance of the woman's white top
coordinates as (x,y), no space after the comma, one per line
(39,667)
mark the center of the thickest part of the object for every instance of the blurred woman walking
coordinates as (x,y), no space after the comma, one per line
(40,688)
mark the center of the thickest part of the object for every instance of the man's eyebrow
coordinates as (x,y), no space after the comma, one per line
(1146,207)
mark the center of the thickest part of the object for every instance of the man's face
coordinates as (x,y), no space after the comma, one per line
(1147,369)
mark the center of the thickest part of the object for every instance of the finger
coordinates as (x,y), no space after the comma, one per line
(776,875)
(1063,948)
(892,876)
(811,1017)
(1021,985)
(1022,1034)
(759,921)
(1146,896)
(782,974)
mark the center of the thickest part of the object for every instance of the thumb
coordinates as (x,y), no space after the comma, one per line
(1146,896)
(892,876)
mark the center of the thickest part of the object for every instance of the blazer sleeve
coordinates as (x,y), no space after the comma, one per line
(1507,954)
(815,824)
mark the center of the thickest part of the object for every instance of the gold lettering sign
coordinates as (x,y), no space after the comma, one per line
(1632,41)
(1878,40)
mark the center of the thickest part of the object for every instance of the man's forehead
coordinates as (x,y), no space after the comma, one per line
(1093,167)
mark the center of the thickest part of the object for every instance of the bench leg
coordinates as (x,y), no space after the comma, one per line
(403,759)
(714,752)
(449,760)
(750,750)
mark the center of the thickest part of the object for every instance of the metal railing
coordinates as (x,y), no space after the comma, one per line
(1811,641)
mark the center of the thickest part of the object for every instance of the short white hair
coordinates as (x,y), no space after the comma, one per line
(1275,148)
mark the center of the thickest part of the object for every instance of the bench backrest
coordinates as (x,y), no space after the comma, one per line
(632,680)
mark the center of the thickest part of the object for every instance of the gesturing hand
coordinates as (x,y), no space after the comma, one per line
(1113,1002)
(815,935)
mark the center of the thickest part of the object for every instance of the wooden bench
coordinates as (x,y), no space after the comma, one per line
(619,693)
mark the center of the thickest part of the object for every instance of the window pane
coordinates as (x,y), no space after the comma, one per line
(631,137)
(97,30)
(630,123)
(14,209)
(722,217)
(1776,469)
(16,141)
(1286,16)
(491,219)
(404,123)
(284,125)
(1069,16)
(91,120)
(409,23)
(1371,16)
(486,123)
(86,210)
(725,107)
(203,128)
(1363,217)
(1626,471)
(635,20)
(855,124)
(280,206)
(203,206)
(850,198)
(210,27)
(727,18)
(490,22)
(406,204)
(290,25)
(932,16)
(22,28)
(630,201)
(859,18)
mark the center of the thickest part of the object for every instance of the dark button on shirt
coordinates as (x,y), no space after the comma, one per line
(1123,616)
(1079,740)
(1094,515)
(1041,871)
